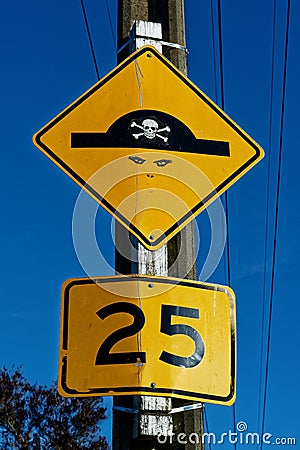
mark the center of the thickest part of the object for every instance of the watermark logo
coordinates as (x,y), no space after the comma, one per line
(112,175)
(241,436)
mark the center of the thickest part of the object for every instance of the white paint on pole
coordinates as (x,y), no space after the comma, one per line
(151,263)
(141,34)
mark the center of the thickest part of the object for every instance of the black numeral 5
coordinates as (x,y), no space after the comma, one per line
(167,328)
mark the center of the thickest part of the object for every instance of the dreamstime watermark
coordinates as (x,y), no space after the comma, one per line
(111,178)
(241,437)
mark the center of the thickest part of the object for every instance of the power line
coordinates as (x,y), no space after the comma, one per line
(276,213)
(222,104)
(214,48)
(213,27)
(220,34)
(222,93)
(111,25)
(90,38)
(267,207)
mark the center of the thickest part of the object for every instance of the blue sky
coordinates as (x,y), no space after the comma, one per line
(46,64)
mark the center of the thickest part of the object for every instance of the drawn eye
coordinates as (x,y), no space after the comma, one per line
(162,162)
(136,159)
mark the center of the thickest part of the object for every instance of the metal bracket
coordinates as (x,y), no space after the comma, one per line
(153,412)
(143,33)
(164,43)
(186,408)
(127,410)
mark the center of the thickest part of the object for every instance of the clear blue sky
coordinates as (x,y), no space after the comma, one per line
(46,64)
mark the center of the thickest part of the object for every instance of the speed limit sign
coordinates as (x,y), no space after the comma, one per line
(147,335)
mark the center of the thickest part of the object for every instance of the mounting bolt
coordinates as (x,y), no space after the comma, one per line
(153,385)
(150,285)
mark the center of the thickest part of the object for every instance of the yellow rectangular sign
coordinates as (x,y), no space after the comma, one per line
(147,335)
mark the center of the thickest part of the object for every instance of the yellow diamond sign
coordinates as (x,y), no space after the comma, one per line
(149,146)
(147,335)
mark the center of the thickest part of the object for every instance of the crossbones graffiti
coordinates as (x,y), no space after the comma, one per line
(150,130)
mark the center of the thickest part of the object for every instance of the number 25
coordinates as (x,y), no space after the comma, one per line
(104,356)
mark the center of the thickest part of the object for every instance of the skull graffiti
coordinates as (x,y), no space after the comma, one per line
(150,128)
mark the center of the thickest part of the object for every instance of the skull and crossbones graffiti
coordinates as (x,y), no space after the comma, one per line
(150,130)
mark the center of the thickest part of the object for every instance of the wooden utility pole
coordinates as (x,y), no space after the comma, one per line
(132,430)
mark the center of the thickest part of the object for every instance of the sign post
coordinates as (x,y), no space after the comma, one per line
(154,164)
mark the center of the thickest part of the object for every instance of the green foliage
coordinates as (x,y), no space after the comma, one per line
(34,417)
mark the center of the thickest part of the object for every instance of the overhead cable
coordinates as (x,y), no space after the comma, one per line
(111,25)
(267,215)
(222,95)
(214,48)
(90,38)
(276,214)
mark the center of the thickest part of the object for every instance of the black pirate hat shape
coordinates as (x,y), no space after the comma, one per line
(150,129)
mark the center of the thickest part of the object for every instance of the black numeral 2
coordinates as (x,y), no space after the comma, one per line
(104,356)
